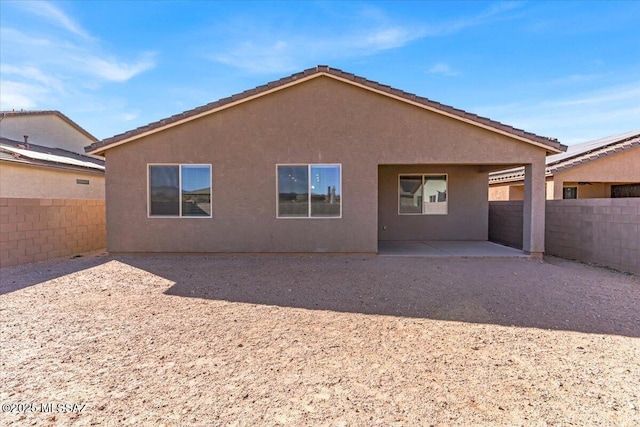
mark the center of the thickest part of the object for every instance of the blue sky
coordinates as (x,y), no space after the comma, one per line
(569,70)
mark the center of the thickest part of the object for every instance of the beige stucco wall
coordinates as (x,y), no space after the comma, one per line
(498,192)
(515,191)
(48,130)
(621,168)
(466,192)
(597,177)
(319,121)
(506,191)
(28,181)
(549,189)
(595,190)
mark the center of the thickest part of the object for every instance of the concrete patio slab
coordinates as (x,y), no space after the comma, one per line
(441,248)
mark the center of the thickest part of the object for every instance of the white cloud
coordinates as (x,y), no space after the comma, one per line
(32,73)
(116,71)
(443,69)
(54,15)
(37,68)
(274,49)
(127,117)
(18,95)
(272,58)
(583,117)
(284,54)
(389,38)
(63,57)
(15,37)
(600,97)
(574,78)
(496,11)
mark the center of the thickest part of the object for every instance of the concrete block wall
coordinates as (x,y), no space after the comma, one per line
(600,231)
(39,229)
(506,222)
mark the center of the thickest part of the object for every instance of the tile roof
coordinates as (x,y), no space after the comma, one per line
(551,144)
(19,113)
(576,155)
(16,151)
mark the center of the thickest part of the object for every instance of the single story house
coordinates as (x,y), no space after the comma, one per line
(319,161)
(603,168)
(42,156)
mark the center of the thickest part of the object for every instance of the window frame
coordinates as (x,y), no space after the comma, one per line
(179,165)
(422,175)
(308,165)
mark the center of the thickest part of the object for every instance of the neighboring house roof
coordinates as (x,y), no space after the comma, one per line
(19,113)
(38,155)
(576,155)
(550,144)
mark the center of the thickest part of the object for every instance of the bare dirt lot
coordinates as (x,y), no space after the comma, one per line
(258,340)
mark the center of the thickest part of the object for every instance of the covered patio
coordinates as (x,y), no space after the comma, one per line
(442,209)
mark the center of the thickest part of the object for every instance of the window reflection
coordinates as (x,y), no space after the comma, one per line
(293,191)
(196,190)
(164,190)
(411,194)
(180,190)
(309,191)
(325,190)
(422,194)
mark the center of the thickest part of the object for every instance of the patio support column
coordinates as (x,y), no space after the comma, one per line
(533,209)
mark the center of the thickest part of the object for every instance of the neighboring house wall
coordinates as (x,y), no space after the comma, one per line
(48,130)
(467,192)
(592,179)
(621,168)
(507,192)
(318,121)
(515,191)
(29,181)
(595,190)
(600,231)
(38,229)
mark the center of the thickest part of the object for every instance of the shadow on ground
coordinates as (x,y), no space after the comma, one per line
(556,294)
(22,276)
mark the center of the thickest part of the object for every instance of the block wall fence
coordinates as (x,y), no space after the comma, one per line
(506,222)
(39,229)
(600,231)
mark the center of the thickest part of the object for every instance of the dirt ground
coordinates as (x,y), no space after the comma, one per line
(322,340)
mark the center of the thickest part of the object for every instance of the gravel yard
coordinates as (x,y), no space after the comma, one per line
(322,340)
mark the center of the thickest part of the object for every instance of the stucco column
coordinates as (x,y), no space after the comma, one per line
(533,209)
(557,188)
